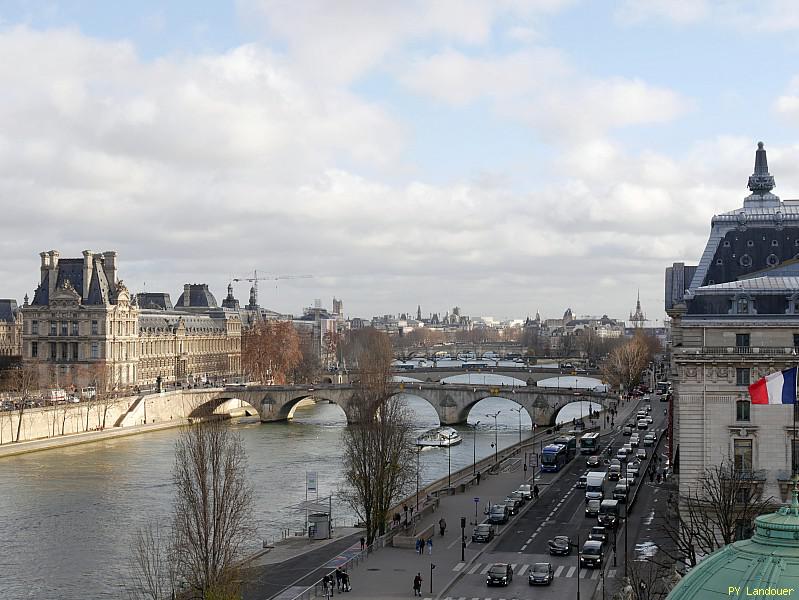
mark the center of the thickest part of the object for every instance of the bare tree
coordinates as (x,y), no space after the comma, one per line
(270,351)
(101,374)
(151,570)
(378,442)
(309,368)
(646,580)
(625,364)
(213,508)
(721,508)
(23,381)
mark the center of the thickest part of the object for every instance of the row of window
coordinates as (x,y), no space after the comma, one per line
(743,452)
(65,328)
(65,350)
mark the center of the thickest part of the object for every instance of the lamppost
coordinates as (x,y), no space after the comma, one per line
(418,452)
(474,448)
(519,410)
(449,439)
(578,566)
(625,539)
(496,441)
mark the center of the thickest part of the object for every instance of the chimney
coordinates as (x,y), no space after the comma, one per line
(110,268)
(53,271)
(45,262)
(186,295)
(88,269)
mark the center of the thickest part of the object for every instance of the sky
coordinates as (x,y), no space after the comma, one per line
(504,156)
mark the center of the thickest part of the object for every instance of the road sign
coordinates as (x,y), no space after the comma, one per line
(533,459)
(477,500)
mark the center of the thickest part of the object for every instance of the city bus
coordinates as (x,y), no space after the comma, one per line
(662,387)
(589,443)
(553,458)
(571,445)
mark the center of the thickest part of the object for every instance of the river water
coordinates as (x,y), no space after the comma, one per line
(68,515)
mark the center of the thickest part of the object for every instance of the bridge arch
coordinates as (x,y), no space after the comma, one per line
(224,405)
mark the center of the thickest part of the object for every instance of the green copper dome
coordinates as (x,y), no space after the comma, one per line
(765,566)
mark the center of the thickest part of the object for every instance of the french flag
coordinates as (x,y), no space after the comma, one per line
(775,388)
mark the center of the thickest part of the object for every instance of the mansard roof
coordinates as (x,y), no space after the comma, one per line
(199,296)
(154,300)
(753,285)
(8,309)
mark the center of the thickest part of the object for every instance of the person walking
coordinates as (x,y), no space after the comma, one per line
(345,581)
(338,578)
(363,543)
(430,545)
(535,492)
(478,477)
(417,585)
(405,510)
(419,545)
(442,525)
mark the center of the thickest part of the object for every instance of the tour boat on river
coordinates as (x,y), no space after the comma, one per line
(440,436)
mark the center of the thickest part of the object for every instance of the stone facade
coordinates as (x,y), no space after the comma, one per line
(84,328)
(734,320)
(10,328)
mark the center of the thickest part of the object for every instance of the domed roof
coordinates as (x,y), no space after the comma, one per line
(767,565)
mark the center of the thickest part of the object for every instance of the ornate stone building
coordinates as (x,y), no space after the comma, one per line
(84,328)
(10,328)
(735,318)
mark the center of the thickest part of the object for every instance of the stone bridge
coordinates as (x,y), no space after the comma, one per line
(527,375)
(452,402)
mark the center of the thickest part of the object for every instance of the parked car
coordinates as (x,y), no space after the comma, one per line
(561,545)
(520,496)
(512,506)
(484,532)
(527,490)
(499,574)
(498,514)
(541,574)
(635,441)
(599,534)
(593,554)
(620,492)
(592,508)
(648,419)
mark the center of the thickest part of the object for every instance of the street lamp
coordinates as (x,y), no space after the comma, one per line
(474,448)
(418,452)
(496,442)
(519,410)
(449,439)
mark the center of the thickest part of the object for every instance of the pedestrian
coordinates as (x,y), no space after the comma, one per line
(338,578)
(535,492)
(651,475)
(430,545)
(419,545)
(405,510)
(417,585)
(345,581)
(411,512)
(442,525)
(326,585)
(659,477)
(478,477)
(363,543)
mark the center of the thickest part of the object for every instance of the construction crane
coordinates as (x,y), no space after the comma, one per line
(255,279)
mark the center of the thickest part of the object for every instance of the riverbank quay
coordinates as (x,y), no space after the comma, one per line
(388,571)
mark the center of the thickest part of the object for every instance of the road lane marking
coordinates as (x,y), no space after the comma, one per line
(459,566)
(571,571)
(583,574)
(595,575)
(558,571)
(474,568)
(485,569)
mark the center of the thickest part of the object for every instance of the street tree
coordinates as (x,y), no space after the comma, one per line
(270,350)
(378,441)
(309,368)
(625,364)
(151,572)
(22,381)
(717,511)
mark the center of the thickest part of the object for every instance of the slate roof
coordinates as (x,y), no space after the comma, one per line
(8,309)
(71,269)
(154,300)
(199,296)
(756,284)
(160,320)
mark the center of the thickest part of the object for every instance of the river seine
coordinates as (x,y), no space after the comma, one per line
(68,514)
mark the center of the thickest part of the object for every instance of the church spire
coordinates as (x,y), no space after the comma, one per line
(761,182)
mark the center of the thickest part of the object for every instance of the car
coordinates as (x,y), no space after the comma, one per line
(621,455)
(634,442)
(641,453)
(628,448)
(520,496)
(513,506)
(648,419)
(541,574)
(641,414)
(592,508)
(627,430)
(484,532)
(649,440)
(648,408)
(620,492)
(582,480)
(499,574)
(527,490)
(643,424)
(614,470)
(592,554)
(632,471)
(599,534)
(561,545)
(593,461)
(498,514)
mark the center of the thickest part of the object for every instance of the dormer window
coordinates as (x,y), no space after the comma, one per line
(746,260)
(719,262)
(727,243)
(749,243)
(774,243)
(742,304)
(793,304)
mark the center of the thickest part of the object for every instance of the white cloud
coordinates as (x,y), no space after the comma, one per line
(540,87)
(677,11)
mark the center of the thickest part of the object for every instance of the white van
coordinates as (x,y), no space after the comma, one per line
(55,396)
(88,392)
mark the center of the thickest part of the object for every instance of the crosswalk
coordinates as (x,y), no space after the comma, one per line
(520,569)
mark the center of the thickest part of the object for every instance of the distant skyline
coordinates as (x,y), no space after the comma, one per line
(506,156)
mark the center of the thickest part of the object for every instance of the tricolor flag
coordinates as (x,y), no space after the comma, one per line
(775,388)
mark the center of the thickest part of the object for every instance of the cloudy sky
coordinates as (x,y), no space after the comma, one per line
(501,155)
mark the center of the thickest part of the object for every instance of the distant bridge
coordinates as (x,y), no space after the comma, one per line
(451,401)
(529,375)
